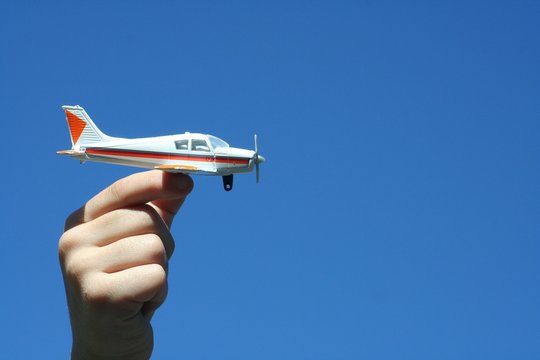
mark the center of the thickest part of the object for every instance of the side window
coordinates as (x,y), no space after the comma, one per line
(199,145)
(181,144)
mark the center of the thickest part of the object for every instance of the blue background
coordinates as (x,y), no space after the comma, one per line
(398,211)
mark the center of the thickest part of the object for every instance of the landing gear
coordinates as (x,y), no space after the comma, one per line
(227,182)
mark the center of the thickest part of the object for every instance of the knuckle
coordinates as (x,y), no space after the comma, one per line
(151,214)
(77,264)
(147,218)
(142,214)
(68,241)
(157,274)
(154,246)
(71,269)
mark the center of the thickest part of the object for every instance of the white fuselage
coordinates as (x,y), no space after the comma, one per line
(191,153)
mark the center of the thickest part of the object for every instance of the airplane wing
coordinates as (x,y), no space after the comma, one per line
(186,169)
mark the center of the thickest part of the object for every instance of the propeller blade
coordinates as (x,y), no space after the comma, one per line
(256,159)
(257,171)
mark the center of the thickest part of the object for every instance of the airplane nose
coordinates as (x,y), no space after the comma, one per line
(260,159)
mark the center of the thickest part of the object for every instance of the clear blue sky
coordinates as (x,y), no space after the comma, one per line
(398,214)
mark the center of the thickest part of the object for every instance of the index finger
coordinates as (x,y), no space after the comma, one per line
(165,191)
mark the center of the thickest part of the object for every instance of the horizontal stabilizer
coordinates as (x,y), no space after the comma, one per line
(69,152)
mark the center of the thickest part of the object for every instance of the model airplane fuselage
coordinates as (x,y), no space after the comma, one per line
(189,153)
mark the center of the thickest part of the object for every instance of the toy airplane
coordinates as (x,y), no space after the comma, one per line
(185,153)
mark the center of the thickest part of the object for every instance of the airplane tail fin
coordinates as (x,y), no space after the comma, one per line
(81,127)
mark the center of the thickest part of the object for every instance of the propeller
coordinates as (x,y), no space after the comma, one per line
(257,158)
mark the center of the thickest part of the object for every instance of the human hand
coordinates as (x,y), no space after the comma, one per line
(114,257)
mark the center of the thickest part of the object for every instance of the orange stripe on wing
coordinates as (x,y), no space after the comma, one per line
(176,167)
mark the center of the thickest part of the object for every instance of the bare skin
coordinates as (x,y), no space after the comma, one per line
(114,256)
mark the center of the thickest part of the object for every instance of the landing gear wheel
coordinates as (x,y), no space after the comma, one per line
(228,182)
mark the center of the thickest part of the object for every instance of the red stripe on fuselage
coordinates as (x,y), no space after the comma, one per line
(167,156)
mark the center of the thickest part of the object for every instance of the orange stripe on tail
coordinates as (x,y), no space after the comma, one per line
(76,126)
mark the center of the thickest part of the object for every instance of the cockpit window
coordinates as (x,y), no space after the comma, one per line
(181,144)
(199,145)
(217,142)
